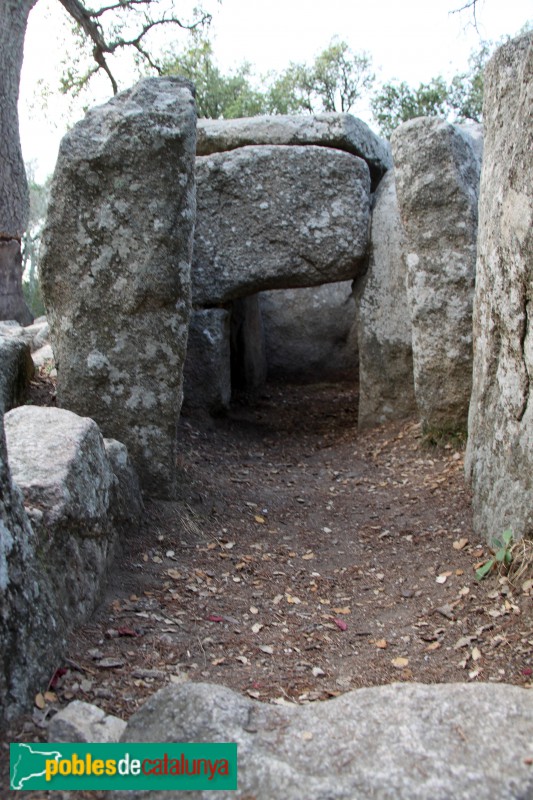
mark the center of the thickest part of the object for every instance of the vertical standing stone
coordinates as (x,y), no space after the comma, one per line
(437,179)
(386,388)
(207,370)
(116,269)
(500,425)
(248,357)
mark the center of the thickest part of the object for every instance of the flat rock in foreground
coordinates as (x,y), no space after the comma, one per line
(395,742)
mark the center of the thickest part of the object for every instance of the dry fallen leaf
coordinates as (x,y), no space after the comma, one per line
(381,643)
(344,610)
(460,543)
(433,646)
(39,701)
(399,662)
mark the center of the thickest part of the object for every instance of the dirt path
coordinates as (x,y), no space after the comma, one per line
(304,559)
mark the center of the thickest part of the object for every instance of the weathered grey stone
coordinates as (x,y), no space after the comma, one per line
(13,304)
(339,131)
(437,178)
(397,742)
(126,503)
(59,462)
(29,634)
(84,722)
(44,355)
(277,217)
(248,357)
(500,426)
(386,384)
(207,370)
(16,371)
(115,269)
(310,334)
(35,335)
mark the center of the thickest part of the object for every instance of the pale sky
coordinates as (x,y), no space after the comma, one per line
(412,40)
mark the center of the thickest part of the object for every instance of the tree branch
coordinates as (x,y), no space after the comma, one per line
(89,22)
(470,4)
(94,32)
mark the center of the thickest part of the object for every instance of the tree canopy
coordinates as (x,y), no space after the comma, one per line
(334,81)
(459,100)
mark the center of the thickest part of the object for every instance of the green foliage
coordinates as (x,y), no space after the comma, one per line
(336,79)
(217,95)
(333,82)
(398,102)
(459,100)
(503,556)
(339,77)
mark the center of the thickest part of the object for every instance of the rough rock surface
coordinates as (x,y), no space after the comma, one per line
(207,370)
(437,179)
(29,636)
(500,442)
(126,503)
(13,302)
(339,131)
(84,722)
(116,269)
(16,371)
(386,384)
(277,217)
(396,742)
(59,462)
(310,334)
(248,357)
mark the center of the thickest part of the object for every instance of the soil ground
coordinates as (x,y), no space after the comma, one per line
(303,559)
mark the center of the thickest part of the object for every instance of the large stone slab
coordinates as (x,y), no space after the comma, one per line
(29,633)
(310,334)
(396,742)
(115,269)
(386,383)
(277,217)
(437,179)
(248,356)
(339,131)
(60,464)
(500,426)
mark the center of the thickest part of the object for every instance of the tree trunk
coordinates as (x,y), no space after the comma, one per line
(14,203)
